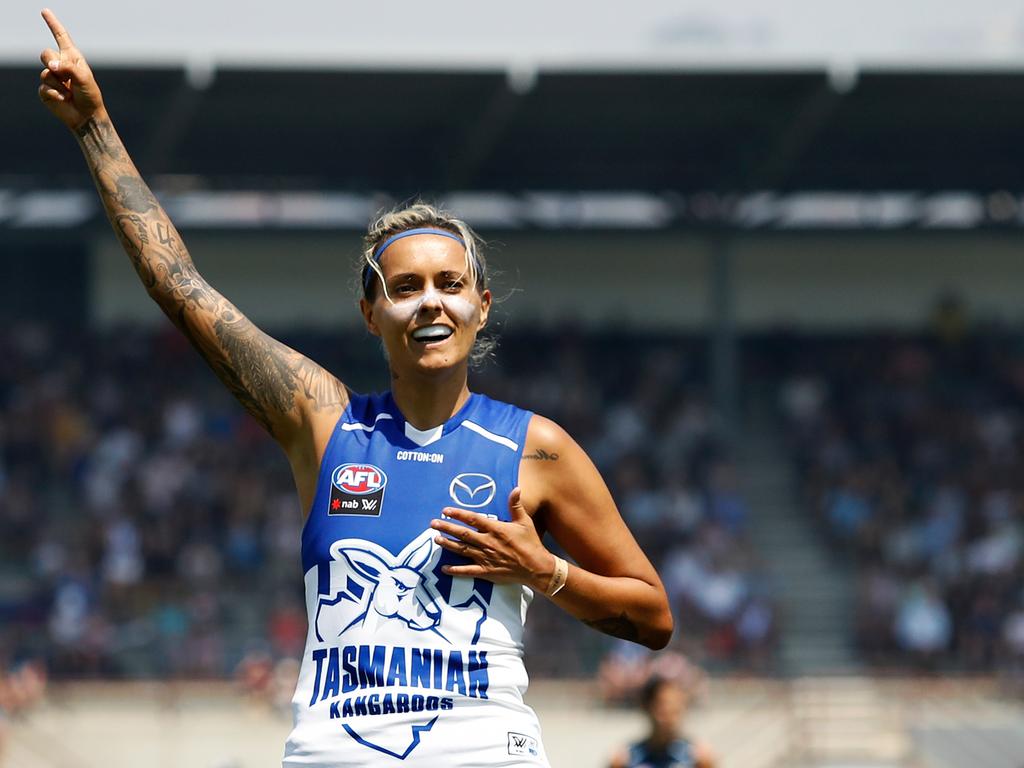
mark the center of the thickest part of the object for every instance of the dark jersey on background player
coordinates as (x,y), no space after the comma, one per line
(665,703)
(675,754)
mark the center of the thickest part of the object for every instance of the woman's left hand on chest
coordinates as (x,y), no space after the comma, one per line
(502,552)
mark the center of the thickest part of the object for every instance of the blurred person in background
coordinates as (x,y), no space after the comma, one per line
(664,701)
(415,611)
(923,626)
(627,668)
(21,689)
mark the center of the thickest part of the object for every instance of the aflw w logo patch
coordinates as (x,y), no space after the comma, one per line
(521,744)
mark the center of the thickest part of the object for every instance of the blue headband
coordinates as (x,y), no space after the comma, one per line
(368,276)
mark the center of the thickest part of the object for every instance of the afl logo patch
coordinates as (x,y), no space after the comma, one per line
(359,479)
(472,490)
(357,489)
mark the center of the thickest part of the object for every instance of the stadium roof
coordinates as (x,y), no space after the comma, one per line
(467,34)
(708,136)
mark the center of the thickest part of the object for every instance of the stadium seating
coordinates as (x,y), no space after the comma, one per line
(150,528)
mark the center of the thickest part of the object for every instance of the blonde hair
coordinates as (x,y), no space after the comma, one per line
(421,214)
(415,216)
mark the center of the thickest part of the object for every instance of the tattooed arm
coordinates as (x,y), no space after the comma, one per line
(275,384)
(283,389)
(612,587)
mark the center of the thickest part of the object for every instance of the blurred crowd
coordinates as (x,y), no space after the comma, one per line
(149,528)
(911,456)
(637,405)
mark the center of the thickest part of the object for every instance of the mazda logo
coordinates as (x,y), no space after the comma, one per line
(472,490)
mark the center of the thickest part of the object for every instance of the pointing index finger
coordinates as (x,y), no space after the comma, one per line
(64,41)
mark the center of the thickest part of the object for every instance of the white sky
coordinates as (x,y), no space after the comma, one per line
(530,33)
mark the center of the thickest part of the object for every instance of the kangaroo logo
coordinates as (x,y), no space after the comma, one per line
(392,589)
(375,593)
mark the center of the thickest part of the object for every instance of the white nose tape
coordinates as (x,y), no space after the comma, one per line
(460,309)
(406,309)
(456,307)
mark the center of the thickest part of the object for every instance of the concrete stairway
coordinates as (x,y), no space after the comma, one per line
(846,721)
(815,593)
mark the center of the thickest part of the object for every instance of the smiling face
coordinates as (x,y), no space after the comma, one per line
(429,315)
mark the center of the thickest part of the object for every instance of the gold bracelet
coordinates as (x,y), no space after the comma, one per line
(558,577)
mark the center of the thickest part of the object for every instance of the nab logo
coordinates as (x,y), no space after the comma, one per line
(357,489)
(472,490)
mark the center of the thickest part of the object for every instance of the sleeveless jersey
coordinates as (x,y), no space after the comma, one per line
(677,754)
(404,664)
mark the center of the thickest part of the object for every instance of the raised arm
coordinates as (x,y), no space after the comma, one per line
(284,390)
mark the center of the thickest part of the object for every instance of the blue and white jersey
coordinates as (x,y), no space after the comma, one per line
(404,664)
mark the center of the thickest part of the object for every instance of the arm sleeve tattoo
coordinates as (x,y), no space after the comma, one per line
(272,381)
(620,626)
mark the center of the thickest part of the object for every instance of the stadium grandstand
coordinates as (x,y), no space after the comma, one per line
(769,279)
